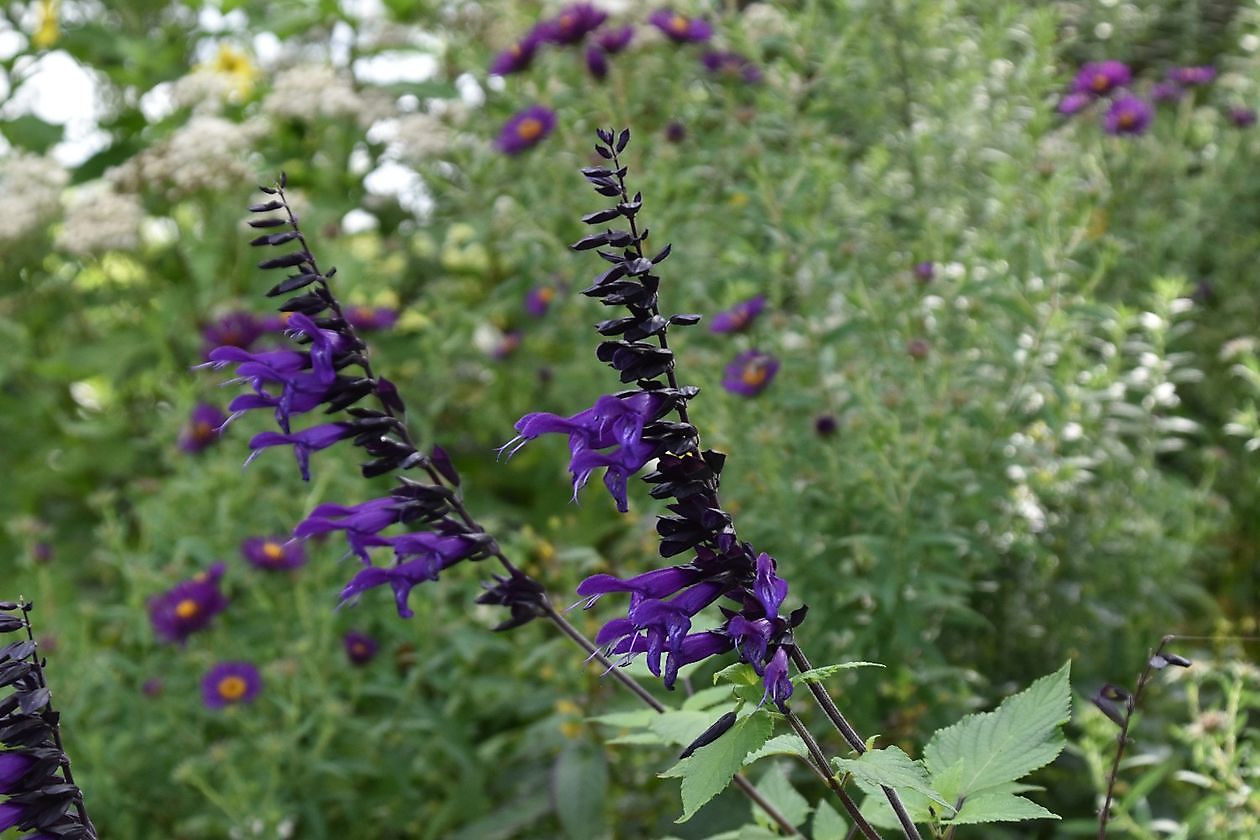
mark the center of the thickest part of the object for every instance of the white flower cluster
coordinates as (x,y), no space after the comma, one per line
(763,20)
(207,153)
(30,194)
(203,91)
(100,221)
(420,137)
(319,91)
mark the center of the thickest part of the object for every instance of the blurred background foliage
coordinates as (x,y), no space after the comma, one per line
(1043,447)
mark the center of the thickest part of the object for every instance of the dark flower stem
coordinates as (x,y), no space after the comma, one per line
(79,805)
(820,695)
(820,766)
(549,610)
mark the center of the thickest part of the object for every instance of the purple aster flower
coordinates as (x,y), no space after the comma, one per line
(1100,78)
(679,28)
(508,344)
(1074,102)
(519,56)
(1241,117)
(204,426)
(360,647)
(526,129)
(924,271)
(304,442)
(732,65)
(1167,92)
(675,132)
(597,62)
(13,766)
(189,606)
(750,373)
(229,684)
(613,41)
(739,317)
(611,422)
(273,553)
(368,319)
(1192,76)
(421,557)
(1127,115)
(235,329)
(573,24)
(539,299)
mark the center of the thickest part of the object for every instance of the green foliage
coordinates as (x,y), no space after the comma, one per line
(709,769)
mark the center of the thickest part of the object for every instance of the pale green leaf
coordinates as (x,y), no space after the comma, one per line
(708,771)
(708,697)
(820,674)
(629,720)
(776,788)
(888,766)
(779,745)
(740,674)
(579,784)
(996,806)
(681,727)
(828,825)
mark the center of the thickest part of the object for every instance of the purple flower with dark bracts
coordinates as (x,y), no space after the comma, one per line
(526,129)
(750,373)
(518,57)
(189,606)
(368,319)
(230,684)
(778,684)
(679,28)
(1167,92)
(13,766)
(360,647)
(205,424)
(597,62)
(1192,76)
(421,557)
(1100,78)
(304,442)
(1127,115)
(573,24)
(924,271)
(769,588)
(538,300)
(732,65)
(1074,103)
(613,41)
(612,422)
(1241,117)
(362,523)
(273,553)
(739,317)
(235,329)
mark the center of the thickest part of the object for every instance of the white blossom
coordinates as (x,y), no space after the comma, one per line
(101,220)
(30,194)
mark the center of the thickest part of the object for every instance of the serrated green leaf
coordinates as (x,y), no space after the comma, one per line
(996,806)
(740,674)
(706,698)
(708,771)
(888,766)
(828,825)
(779,745)
(987,750)
(776,788)
(579,784)
(820,674)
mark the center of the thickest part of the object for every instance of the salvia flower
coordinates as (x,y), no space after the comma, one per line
(188,606)
(230,684)
(1127,115)
(1099,78)
(205,424)
(613,41)
(573,24)
(273,553)
(304,442)
(420,557)
(679,28)
(235,329)
(1192,76)
(369,319)
(750,372)
(731,65)
(538,300)
(360,647)
(739,317)
(526,129)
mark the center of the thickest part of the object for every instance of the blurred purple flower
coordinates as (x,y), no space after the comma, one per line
(1241,117)
(43,552)
(204,427)
(1074,102)
(274,553)
(230,683)
(1100,78)
(360,647)
(1192,76)
(152,687)
(1127,115)
(188,606)
(597,62)
(538,300)
(679,28)
(573,24)
(526,129)
(733,65)
(517,57)
(675,131)
(367,318)
(825,425)
(739,317)
(1167,92)
(235,329)
(924,271)
(508,344)
(750,373)
(613,41)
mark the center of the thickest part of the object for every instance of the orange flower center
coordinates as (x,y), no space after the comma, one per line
(1101,82)
(679,24)
(187,608)
(546,293)
(202,430)
(1127,119)
(358,649)
(753,375)
(529,129)
(566,21)
(273,551)
(232,688)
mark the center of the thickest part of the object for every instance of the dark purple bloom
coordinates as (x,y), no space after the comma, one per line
(769,588)
(1100,78)
(924,271)
(360,647)
(368,319)
(188,606)
(229,683)
(739,317)
(597,62)
(778,684)
(1167,92)
(1241,117)
(204,426)
(1074,102)
(750,373)
(300,390)
(421,557)
(732,65)
(538,300)
(517,57)
(613,41)
(526,129)
(13,766)
(675,132)
(1192,76)
(304,443)
(679,28)
(1127,115)
(362,523)
(323,345)
(573,24)
(274,553)
(825,425)
(611,422)
(10,815)
(658,583)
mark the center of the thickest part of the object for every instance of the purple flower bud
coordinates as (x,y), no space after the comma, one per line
(230,683)
(924,271)
(526,129)
(778,684)
(825,425)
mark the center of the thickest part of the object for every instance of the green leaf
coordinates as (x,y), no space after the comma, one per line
(708,771)
(579,787)
(776,788)
(828,825)
(889,766)
(31,133)
(779,745)
(988,749)
(739,674)
(630,720)
(997,806)
(706,698)
(820,674)
(680,728)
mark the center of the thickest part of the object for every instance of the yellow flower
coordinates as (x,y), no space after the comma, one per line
(236,65)
(49,29)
